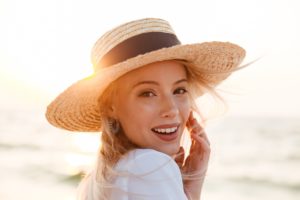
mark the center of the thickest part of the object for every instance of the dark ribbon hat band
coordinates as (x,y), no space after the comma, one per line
(137,45)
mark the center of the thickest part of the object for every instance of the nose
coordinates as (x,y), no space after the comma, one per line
(169,108)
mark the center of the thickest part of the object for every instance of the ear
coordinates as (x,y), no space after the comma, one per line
(112,111)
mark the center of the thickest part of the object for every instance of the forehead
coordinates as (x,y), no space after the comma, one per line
(156,71)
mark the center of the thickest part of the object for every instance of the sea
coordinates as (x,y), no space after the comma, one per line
(252,158)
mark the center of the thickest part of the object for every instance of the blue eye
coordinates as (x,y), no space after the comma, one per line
(180,91)
(147,94)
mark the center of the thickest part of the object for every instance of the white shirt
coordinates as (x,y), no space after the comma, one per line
(147,174)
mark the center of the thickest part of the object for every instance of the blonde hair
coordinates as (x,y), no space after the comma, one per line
(97,184)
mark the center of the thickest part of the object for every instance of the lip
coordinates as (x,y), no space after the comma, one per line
(167,125)
(167,137)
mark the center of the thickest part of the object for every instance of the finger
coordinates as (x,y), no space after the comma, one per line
(199,131)
(199,140)
(202,144)
(196,146)
(179,157)
(197,136)
(193,132)
(202,134)
(190,118)
(193,125)
(193,145)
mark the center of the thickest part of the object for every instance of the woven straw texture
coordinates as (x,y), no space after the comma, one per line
(77,108)
(123,32)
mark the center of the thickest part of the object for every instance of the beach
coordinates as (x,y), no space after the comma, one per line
(253,158)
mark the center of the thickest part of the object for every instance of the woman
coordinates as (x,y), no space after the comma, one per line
(141,99)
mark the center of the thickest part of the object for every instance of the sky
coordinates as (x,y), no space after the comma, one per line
(45,46)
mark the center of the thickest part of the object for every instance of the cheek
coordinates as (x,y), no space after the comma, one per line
(135,115)
(185,108)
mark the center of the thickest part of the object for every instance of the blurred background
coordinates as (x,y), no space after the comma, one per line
(45,46)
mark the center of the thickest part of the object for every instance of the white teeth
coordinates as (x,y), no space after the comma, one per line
(166,130)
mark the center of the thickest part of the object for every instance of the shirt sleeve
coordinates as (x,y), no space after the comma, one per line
(152,175)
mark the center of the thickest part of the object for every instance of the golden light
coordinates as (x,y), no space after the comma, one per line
(86,142)
(84,152)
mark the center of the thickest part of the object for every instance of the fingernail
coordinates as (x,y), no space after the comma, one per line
(192,114)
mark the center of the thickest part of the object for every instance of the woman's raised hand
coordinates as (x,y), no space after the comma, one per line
(196,163)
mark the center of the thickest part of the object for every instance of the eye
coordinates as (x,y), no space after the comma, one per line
(147,94)
(180,91)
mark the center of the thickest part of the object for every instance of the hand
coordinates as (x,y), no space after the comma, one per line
(195,165)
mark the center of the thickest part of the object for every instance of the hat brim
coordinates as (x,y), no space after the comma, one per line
(77,108)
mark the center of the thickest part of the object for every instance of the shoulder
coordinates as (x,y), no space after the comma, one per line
(148,161)
(148,174)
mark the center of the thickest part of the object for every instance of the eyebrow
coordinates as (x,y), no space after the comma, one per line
(156,83)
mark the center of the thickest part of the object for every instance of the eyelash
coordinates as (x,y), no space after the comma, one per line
(178,91)
(183,90)
(147,94)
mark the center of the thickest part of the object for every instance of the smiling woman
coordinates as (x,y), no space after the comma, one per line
(142,98)
(149,91)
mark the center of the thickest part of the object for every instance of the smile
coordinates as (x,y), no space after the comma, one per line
(165,131)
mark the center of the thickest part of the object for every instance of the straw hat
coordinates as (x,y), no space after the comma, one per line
(128,47)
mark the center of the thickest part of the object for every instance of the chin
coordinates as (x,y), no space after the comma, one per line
(171,151)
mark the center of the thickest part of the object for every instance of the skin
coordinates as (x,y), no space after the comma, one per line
(153,96)
(156,96)
(197,160)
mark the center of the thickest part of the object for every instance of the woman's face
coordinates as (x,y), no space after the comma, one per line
(153,105)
